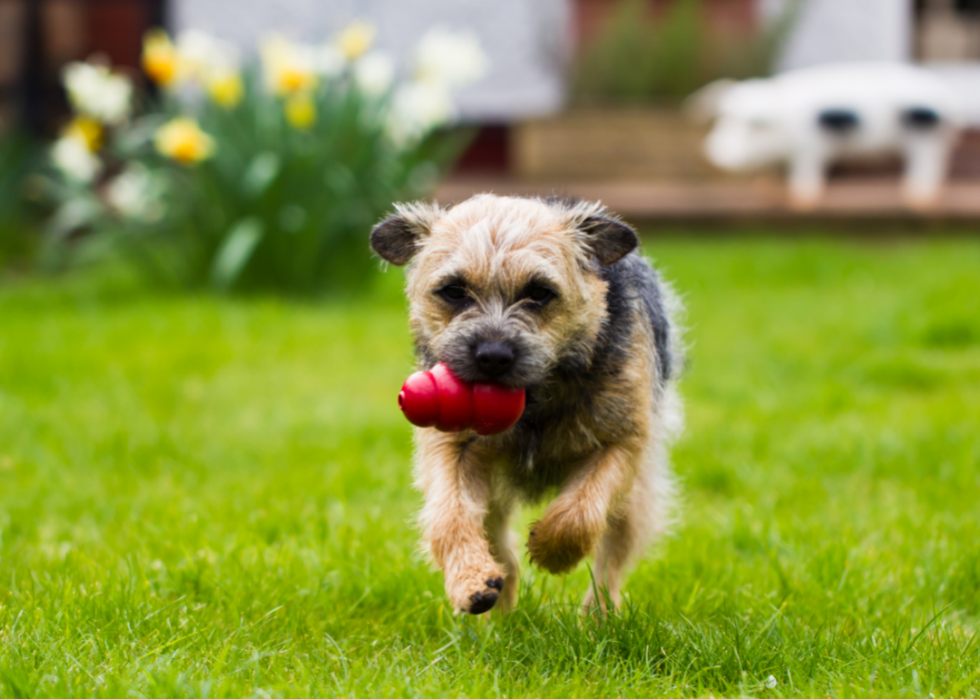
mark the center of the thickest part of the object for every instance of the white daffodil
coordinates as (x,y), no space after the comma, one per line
(453,58)
(356,39)
(417,108)
(374,73)
(197,56)
(135,194)
(72,156)
(328,60)
(202,55)
(97,92)
(288,67)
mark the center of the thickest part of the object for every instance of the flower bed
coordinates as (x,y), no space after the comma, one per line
(254,175)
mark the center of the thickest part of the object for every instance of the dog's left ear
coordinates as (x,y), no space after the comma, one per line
(398,238)
(609,239)
(394,240)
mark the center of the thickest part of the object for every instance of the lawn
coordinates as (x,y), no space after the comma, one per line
(212,497)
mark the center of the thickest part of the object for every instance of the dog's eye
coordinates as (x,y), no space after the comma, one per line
(539,294)
(453,293)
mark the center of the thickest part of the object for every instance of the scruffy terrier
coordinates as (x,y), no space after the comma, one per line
(548,295)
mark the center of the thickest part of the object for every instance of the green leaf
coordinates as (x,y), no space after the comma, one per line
(77,212)
(128,142)
(235,252)
(261,172)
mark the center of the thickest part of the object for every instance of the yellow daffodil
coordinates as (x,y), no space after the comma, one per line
(226,89)
(205,58)
(181,139)
(87,131)
(161,61)
(300,110)
(356,39)
(73,158)
(289,68)
(293,80)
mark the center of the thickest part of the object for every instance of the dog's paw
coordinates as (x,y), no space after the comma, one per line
(476,592)
(484,601)
(557,543)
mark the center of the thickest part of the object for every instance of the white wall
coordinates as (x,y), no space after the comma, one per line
(964,79)
(527,40)
(845,30)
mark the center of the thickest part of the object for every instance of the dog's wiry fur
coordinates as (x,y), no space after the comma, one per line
(598,361)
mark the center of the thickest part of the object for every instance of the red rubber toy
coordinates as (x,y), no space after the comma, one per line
(439,399)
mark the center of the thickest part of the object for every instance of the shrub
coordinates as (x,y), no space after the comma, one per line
(267,176)
(637,58)
(17,238)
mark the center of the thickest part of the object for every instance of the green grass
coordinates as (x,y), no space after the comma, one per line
(208,497)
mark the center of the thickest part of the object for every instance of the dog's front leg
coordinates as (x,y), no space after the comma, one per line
(573,524)
(454,476)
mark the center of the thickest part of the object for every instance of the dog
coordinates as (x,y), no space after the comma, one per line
(551,295)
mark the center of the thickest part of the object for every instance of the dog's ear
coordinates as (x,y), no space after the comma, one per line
(398,238)
(608,238)
(394,240)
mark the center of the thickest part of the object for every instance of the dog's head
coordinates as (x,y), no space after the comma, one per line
(503,289)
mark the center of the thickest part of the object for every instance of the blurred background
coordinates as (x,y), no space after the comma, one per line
(586,97)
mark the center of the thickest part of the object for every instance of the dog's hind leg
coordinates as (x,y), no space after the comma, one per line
(641,518)
(620,544)
(502,549)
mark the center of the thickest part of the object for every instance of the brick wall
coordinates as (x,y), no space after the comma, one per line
(56,32)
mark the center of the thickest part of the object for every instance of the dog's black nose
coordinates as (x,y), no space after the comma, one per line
(494,358)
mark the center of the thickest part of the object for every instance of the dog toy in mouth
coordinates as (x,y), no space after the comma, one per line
(439,399)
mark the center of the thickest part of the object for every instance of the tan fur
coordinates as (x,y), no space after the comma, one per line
(456,487)
(616,492)
(501,248)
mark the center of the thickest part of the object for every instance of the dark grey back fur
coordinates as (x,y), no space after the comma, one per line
(591,388)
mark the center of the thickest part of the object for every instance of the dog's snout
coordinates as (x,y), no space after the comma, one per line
(494,358)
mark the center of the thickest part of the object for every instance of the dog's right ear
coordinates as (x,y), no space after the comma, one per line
(398,238)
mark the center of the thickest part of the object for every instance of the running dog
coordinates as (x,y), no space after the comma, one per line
(552,296)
